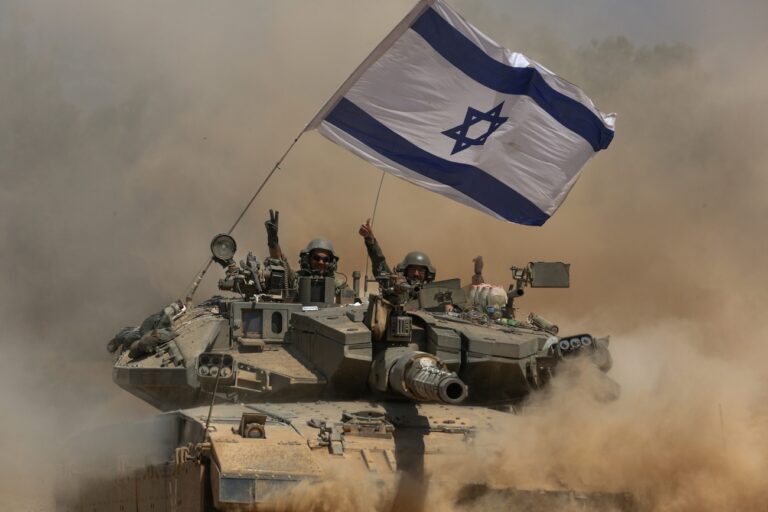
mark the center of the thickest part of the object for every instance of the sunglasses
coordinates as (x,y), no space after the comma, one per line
(321,259)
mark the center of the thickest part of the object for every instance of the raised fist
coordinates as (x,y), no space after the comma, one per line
(366,231)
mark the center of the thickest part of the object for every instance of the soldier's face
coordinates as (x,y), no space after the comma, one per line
(416,273)
(319,260)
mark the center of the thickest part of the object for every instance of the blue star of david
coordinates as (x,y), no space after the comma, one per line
(474,116)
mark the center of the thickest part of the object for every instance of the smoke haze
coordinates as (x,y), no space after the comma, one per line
(131,133)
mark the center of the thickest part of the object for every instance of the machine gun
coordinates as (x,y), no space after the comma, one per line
(395,288)
(537,274)
(243,279)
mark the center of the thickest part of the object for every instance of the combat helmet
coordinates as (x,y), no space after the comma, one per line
(417,258)
(314,244)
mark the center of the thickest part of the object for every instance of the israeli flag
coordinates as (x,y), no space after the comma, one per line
(441,105)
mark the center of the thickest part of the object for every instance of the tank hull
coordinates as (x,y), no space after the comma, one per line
(391,445)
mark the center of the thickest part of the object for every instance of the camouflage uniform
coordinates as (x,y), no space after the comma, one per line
(381,268)
(378,261)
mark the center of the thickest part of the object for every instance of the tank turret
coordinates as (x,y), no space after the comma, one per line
(275,386)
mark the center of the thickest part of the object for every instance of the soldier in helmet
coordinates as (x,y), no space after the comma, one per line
(316,259)
(319,260)
(416,267)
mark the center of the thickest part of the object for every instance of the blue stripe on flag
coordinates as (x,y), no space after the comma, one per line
(467,179)
(478,65)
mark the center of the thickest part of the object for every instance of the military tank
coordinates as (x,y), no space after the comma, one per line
(268,388)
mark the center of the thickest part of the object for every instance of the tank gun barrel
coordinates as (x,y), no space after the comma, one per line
(423,377)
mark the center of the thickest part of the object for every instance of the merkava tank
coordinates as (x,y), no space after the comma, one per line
(270,387)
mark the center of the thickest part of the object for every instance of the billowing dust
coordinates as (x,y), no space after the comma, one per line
(689,433)
(131,133)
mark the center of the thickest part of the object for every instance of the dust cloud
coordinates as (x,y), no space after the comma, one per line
(133,132)
(689,433)
(681,438)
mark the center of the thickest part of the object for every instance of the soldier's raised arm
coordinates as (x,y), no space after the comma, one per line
(272,240)
(378,261)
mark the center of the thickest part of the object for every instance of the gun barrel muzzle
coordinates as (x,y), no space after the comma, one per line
(434,384)
(423,377)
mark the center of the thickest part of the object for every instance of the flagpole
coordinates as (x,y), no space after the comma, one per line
(200,275)
(380,49)
(377,52)
(373,218)
(263,183)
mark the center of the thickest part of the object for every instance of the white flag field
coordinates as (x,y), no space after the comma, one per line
(442,106)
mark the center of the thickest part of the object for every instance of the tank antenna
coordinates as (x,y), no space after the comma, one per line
(373,217)
(199,276)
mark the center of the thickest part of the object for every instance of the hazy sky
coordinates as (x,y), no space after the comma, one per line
(132,132)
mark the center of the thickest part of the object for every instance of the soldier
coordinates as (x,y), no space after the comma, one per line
(415,267)
(316,259)
(399,291)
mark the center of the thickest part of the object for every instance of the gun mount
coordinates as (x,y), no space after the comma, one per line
(396,289)
(537,274)
(245,280)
